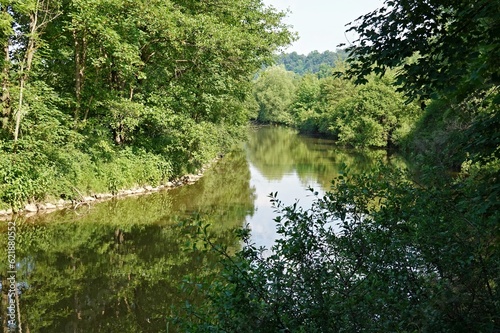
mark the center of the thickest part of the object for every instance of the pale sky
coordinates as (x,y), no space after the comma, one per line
(321,23)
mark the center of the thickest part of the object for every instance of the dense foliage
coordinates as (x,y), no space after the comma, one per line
(274,91)
(93,89)
(103,94)
(388,251)
(374,254)
(447,55)
(116,266)
(312,63)
(371,115)
(454,45)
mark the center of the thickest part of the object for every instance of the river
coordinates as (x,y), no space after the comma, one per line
(117,266)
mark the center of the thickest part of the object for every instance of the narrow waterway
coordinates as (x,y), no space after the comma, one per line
(117,266)
(282,161)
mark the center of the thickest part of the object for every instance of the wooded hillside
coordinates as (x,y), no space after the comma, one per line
(92,89)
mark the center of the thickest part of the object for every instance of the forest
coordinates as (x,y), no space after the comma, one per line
(101,95)
(362,116)
(314,62)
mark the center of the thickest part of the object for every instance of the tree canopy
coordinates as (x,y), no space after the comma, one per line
(314,62)
(111,80)
(439,47)
(273,90)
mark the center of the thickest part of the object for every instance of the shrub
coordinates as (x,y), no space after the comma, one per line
(377,253)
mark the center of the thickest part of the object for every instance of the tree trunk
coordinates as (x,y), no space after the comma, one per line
(30,51)
(78,77)
(20,106)
(6,105)
(80,57)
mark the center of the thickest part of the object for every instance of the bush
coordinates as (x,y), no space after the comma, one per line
(376,254)
(39,171)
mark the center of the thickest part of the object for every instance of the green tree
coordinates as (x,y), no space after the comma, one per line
(6,31)
(375,116)
(307,93)
(304,104)
(274,90)
(372,115)
(385,251)
(455,41)
(374,254)
(23,25)
(113,81)
(447,52)
(331,92)
(312,63)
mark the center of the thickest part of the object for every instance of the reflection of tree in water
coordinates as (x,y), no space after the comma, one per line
(268,148)
(278,151)
(117,266)
(226,185)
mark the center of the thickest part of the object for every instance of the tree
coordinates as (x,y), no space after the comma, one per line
(313,63)
(307,93)
(455,41)
(6,32)
(374,116)
(390,251)
(374,254)
(30,19)
(444,51)
(274,90)
(103,81)
(371,115)
(305,103)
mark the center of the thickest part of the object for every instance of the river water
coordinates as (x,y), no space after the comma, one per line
(117,266)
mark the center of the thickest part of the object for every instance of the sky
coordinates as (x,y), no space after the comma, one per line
(321,23)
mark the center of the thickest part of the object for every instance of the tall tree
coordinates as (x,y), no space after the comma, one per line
(5,35)
(379,252)
(34,15)
(169,78)
(173,53)
(274,91)
(455,45)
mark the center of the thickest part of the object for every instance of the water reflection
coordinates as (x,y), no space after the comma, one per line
(283,161)
(117,266)
(290,188)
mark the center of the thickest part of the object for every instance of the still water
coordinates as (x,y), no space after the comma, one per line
(117,266)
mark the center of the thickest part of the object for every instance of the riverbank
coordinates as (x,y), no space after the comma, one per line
(64,174)
(49,206)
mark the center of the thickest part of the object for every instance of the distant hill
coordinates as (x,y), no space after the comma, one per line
(311,63)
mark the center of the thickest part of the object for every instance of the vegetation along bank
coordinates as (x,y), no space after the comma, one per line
(101,96)
(387,251)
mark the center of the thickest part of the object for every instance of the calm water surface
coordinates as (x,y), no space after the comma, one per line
(116,266)
(284,162)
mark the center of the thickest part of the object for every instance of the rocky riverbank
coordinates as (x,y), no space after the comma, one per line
(50,206)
